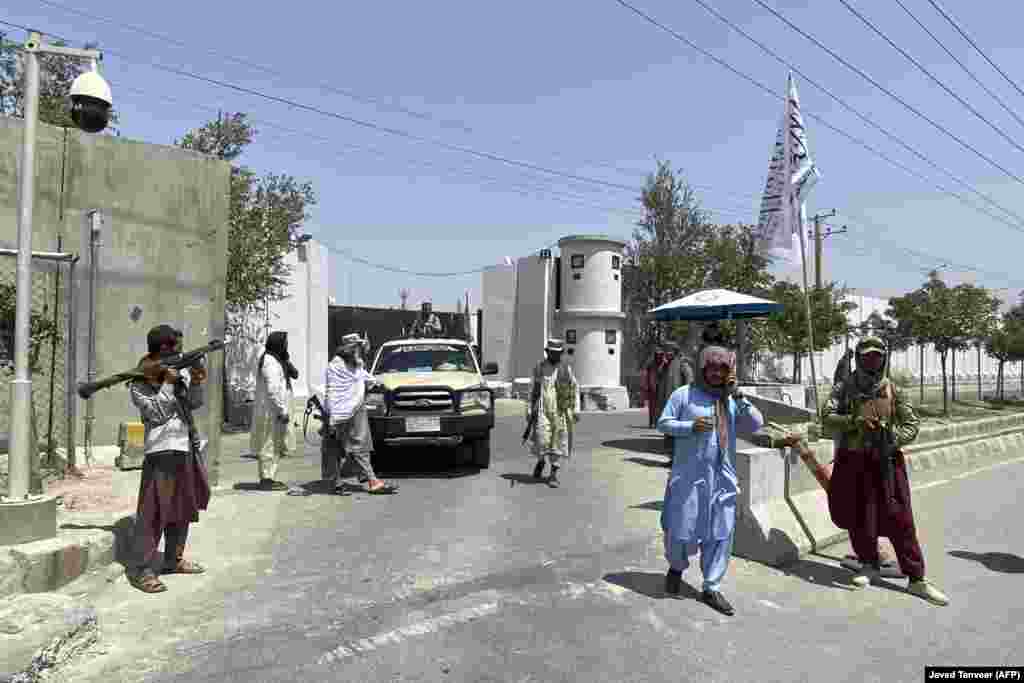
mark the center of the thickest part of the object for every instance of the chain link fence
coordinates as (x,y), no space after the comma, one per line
(51,359)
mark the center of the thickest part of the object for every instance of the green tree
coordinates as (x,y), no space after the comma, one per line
(56,73)
(265,215)
(676,250)
(42,330)
(948,318)
(829,307)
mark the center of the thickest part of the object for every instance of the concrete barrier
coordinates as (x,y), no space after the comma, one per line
(783,512)
(53,563)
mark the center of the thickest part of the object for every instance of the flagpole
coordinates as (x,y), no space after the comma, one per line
(810,324)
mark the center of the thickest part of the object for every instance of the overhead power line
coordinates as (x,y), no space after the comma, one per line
(863,117)
(821,120)
(963,66)
(378,101)
(347,254)
(981,52)
(371,125)
(860,72)
(929,74)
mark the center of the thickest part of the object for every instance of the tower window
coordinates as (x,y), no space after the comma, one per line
(609,336)
(616,262)
(570,336)
(577,260)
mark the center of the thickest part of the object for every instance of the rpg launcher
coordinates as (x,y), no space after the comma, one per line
(176,361)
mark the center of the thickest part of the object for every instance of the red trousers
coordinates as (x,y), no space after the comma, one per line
(856,503)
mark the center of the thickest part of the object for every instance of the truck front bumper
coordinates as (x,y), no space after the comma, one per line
(454,429)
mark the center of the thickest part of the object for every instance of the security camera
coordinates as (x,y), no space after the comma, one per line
(90,102)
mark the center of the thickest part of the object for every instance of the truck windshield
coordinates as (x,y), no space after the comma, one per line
(425,358)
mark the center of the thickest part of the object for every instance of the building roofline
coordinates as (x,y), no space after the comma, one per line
(591,238)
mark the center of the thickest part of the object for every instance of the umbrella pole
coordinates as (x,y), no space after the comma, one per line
(810,325)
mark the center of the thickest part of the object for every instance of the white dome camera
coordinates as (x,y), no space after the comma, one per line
(91,102)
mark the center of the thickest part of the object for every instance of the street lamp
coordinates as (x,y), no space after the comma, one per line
(90,110)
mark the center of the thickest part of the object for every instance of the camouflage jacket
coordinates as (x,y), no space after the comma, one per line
(842,414)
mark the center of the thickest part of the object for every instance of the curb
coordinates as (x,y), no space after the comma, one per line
(53,563)
(776,525)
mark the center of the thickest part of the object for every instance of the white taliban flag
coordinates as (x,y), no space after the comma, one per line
(791,176)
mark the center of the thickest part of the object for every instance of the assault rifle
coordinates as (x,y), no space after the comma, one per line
(173,361)
(314,404)
(531,422)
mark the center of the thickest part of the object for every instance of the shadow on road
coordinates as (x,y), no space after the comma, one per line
(654,446)
(655,505)
(997,562)
(833,576)
(647,462)
(528,479)
(649,584)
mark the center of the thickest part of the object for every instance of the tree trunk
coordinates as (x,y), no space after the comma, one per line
(796,367)
(945,385)
(953,378)
(999,382)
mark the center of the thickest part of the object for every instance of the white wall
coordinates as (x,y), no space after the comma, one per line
(302,314)
(533,314)
(498,289)
(902,361)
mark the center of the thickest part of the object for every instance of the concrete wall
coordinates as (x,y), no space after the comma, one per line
(498,289)
(533,313)
(163,257)
(302,314)
(909,361)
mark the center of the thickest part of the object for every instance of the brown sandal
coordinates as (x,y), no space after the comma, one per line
(184,567)
(147,583)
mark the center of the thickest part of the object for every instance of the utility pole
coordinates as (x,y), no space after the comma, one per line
(818,238)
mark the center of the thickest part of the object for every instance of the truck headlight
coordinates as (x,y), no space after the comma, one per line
(476,399)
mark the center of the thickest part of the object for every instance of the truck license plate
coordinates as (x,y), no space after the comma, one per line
(423,424)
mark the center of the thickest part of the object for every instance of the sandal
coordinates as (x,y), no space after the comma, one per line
(184,567)
(147,583)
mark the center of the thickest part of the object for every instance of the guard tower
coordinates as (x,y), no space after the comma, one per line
(590,317)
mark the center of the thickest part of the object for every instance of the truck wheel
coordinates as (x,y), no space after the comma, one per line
(382,458)
(463,454)
(482,452)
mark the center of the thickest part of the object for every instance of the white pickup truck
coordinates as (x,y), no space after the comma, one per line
(431,392)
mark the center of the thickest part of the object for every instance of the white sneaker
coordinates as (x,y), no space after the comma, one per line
(888,570)
(924,589)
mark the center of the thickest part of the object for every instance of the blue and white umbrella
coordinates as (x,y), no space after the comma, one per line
(716,304)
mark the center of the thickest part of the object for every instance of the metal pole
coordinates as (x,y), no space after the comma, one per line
(72,365)
(96,223)
(817,252)
(810,326)
(21,385)
(921,347)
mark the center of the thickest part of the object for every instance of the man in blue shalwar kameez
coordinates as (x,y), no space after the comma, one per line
(700,498)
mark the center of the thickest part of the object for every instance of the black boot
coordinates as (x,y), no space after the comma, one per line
(715,601)
(674,582)
(538,471)
(553,479)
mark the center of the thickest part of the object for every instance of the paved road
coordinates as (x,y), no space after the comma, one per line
(486,577)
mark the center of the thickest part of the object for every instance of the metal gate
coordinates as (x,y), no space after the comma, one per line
(51,356)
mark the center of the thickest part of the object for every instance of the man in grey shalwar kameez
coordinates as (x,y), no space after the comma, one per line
(700,498)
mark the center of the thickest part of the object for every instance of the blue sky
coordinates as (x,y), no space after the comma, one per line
(586,88)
